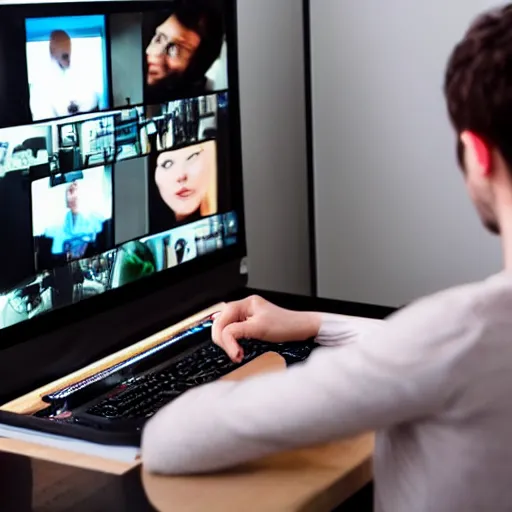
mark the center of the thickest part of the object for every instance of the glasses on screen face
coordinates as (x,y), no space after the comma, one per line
(174,50)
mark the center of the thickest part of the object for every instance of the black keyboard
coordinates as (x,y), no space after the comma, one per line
(143,396)
(124,397)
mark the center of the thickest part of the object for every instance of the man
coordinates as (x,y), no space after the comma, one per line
(66,88)
(182,50)
(78,228)
(433,380)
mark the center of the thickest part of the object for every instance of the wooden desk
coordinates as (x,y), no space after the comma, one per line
(316,479)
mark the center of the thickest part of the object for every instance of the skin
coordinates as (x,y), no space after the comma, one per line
(60,48)
(478,162)
(259,319)
(183,178)
(72,198)
(170,51)
(488,180)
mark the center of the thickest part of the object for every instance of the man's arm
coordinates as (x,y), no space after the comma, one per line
(400,374)
(256,318)
(338,330)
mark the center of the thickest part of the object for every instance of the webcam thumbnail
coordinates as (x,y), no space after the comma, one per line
(181,122)
(174,247)
(72,216)
(101,139)
(182,186)
(230,228)
(60,147)
(149,255)
(24,147)
(209,235)
(67,66)
(185,50)
(131,134)
(87,143)
(63,286)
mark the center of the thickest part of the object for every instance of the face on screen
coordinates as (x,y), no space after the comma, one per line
(184,49)
(186,180)
(171,50)
(60,48)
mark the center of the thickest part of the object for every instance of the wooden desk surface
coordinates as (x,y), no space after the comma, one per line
(316,479)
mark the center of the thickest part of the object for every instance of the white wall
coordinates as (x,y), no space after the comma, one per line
(274,143)
(392,216)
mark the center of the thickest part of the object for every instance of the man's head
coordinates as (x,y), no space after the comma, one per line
(187,42)
(60,48)
(478,89)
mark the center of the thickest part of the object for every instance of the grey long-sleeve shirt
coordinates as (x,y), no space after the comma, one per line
(434,381)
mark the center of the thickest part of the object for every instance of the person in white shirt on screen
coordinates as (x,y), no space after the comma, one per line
(78,228)
(434,380)
(65,89)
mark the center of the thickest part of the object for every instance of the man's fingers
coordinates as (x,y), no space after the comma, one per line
(223,336)
(232,324)
(230,336)
(228,339)
(228,342)
(229,314)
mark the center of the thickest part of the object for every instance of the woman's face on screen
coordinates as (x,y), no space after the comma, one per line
(170,51)
(183,178)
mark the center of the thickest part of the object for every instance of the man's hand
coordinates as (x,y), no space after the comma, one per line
(259,319)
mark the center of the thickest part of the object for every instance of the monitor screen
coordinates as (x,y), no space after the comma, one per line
(119,167)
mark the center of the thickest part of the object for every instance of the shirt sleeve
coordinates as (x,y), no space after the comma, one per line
(400,374)
(341,330)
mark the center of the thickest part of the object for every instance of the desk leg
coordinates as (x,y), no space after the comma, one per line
(15,483)
(133,497)
(362,501)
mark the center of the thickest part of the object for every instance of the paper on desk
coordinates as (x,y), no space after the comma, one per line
(115,453)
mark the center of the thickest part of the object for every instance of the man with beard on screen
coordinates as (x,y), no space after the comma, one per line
(183,47)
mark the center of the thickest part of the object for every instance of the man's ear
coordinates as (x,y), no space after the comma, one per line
(478,150)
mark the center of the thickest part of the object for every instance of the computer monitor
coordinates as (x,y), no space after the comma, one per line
(120,164)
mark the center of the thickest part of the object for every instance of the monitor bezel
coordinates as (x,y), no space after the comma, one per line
(63,319)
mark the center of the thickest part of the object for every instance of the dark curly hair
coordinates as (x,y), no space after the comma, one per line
(205,17)
(478,82)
